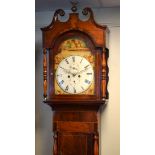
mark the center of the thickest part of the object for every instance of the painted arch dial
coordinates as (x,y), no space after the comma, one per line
(74,74)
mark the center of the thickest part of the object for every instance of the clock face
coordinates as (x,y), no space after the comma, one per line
(74,74)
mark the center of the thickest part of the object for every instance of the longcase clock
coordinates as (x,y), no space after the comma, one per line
(75,77)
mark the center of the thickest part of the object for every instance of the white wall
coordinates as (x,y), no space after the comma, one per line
(110,128)
(110,121)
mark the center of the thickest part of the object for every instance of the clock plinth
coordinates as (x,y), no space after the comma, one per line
(75,75)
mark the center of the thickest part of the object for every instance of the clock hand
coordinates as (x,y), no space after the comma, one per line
(73,68)
(66,70)
(81,71)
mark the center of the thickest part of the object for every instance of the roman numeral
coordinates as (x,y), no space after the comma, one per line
(67,87)
(74,90)
(86,66)
(81,60)
(82,88)
(89,73)
(87,81)
(59,75)
(66,61)
(60,83)
(73,58)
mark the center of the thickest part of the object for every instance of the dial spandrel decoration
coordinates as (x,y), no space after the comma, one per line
(74,68)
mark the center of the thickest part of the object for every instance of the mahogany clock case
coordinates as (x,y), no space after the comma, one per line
(75,117)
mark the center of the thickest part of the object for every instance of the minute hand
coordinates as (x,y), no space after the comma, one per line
(83,71)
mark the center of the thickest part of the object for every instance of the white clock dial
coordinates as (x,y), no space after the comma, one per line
(74,74)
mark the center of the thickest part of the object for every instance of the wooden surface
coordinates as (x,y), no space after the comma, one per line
(76,131)
(89,27)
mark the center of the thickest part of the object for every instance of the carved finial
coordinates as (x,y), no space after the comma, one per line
(74,5)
